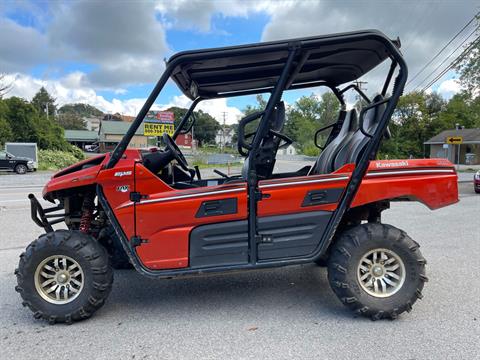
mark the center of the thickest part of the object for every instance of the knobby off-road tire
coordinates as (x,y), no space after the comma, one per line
(21,169)
(80,262)
(375,243)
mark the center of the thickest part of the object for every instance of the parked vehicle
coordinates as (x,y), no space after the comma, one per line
(149,208)
(10,162)
(476,182)
(24,150)
(92,148)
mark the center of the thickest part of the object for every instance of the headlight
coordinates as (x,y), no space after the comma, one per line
(477,175)
(30,162)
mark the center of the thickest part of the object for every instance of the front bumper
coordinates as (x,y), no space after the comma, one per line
(44,217)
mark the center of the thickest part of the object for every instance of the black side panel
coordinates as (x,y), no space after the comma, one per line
(284,235)
(217,207)
(321,197)
(219,244)
(292,235)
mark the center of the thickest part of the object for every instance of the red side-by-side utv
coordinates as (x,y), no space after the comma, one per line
(150,210)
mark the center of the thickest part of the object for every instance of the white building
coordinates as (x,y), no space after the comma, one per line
(224,138)
(92,123)
(289,150)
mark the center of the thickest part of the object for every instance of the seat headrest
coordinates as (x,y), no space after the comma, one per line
(372,116)
(353,120)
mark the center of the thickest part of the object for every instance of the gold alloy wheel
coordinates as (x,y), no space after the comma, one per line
(381,273)
(59,279)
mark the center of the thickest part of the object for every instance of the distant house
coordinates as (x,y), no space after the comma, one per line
(81,138)
(468,152)
(92,123)
(289,150)
(224,138)
(111,132)
(184,140)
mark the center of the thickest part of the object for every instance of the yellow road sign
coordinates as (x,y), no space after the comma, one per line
(456,140)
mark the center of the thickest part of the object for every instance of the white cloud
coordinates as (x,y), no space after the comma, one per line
(122,41)
(215,107)
(197,14)
(448,88)
(422,36)
(72,89)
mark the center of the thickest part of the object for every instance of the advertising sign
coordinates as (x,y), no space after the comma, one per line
(159,122)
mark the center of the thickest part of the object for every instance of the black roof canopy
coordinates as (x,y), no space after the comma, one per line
(332,59)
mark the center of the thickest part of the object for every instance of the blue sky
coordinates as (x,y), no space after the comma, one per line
(109,54)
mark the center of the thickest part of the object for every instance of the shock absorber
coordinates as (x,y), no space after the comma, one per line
(87,213)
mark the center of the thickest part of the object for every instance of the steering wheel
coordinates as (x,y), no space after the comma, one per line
(176,153)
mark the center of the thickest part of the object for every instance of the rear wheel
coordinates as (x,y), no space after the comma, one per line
(21,169)
(377,270)
(64,276)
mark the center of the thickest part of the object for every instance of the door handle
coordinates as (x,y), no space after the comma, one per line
(217,207)
(318,196)
(211,206)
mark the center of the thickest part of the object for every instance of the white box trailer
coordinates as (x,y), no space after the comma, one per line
(28,150)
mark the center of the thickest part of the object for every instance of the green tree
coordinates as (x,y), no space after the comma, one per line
(460,110)
(82,110)
(469,66)
(307,115)
(28,125)
(205,128)
(415,120)
(4,86)
(5,130)
(43,101)
(71,121)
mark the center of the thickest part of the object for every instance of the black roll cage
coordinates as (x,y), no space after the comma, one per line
(285,82)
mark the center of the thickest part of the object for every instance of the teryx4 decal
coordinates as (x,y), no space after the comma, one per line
(123,173)
(123,188)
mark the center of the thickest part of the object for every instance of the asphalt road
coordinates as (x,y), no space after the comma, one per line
(270,314)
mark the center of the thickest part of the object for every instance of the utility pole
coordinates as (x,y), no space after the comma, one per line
(193,141)
(224,113)
(360,86)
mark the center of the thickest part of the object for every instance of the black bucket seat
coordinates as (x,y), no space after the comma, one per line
(350,143)
(326,159)
(352,150)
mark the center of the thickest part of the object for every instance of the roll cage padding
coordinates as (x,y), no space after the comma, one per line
(242,145)
(265,157)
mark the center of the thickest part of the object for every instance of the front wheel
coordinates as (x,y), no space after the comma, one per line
(64,276)
(21,169)
(377,270)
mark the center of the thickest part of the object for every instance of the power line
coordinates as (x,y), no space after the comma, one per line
(454,62)
(443,48)
(444,60)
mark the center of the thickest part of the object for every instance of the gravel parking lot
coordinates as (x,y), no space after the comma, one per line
(270,314)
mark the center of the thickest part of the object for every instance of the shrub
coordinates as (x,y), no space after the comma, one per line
(310,150)
(56,160)
(75,151)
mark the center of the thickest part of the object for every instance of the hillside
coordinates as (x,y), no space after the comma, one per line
(82,110)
